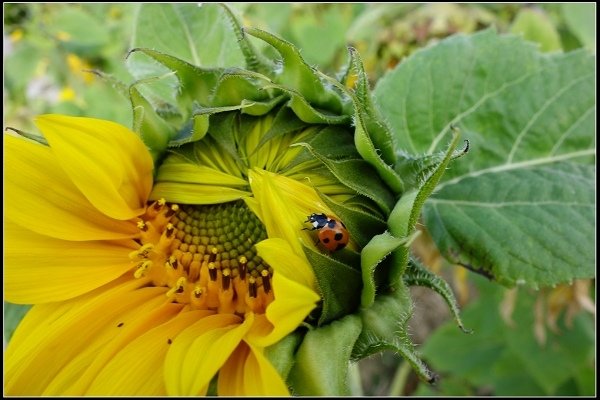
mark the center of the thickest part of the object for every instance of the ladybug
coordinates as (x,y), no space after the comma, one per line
(332,232)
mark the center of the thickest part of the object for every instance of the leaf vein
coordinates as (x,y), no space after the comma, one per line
(535,116)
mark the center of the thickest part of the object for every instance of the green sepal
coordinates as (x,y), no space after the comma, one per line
(358,175)
(361,225)
(322,361)
(282,354)
(366,148)
(223,129)
(379,132)
(415,169)
(259,108)
(154,131)
(333,141)
(255,61)
(236,85)
(306,112)
(118,85)
(296,74)
(285,122)
(417,275)
(339,285)
(28,135)
(378,248)
(364,142)
(364,204)
(385,327)
(405,214)
(196,84)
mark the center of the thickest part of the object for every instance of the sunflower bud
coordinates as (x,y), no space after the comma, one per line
(313,165)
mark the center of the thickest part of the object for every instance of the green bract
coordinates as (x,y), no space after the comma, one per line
(338,140)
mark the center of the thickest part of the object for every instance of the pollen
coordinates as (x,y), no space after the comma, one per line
(205,256)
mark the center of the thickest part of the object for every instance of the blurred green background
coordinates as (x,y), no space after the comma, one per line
(525,343)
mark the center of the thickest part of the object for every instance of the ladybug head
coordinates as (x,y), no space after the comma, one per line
(317,220)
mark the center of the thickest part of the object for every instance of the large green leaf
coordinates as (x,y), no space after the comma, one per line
(200,35)
(507,358)
(520,207)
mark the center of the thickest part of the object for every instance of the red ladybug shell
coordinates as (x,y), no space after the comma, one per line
(334,235)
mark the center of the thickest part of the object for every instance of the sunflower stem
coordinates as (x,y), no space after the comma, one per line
(400,378)
(354,380)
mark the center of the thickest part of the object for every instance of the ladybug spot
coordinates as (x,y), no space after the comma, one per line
(326,240)
(338,236)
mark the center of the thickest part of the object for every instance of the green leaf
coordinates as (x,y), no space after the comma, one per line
(322,360)
(198,34)
(85,34)
(535,25)
(537,223)
(527,116)
(327,21)
(339,285)
(580,19)
(508,358)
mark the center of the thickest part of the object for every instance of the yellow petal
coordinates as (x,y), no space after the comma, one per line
(284,206)
(279,254)
(177,169)
(231,375)
(249,373)
(53,335)
(40,269)
(41,197)
(106,161)
(189,193)
(75,378)
(200,351)
(138,369)
(293,302)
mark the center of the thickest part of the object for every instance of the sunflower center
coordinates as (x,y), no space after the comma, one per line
(205,255)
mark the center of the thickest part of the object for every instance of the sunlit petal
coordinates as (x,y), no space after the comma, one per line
(249,373)
(41,197)
(106,161)
(138,369)
(40,269)
(200,351)
(285,205)
(190,193)
(293,302)
(80,322)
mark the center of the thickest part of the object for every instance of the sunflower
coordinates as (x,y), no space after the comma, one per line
(134,296)
(176,258)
